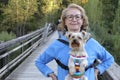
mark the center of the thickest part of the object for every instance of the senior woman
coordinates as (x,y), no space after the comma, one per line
(74,19)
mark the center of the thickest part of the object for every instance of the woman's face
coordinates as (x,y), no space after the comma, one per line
(73,20)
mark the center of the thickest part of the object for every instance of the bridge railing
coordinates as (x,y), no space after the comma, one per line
(15,51)
(113,73)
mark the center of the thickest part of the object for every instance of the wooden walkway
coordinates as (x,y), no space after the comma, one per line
(27,70)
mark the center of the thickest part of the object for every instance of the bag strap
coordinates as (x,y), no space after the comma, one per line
(63,41)
(62,65)
(95,63)
(58,62)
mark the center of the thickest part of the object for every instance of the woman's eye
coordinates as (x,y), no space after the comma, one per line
(70,17)
(78,17)
(80,38)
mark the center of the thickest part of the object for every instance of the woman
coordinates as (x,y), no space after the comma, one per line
(74,19)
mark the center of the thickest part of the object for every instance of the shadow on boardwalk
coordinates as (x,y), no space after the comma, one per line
(27,70)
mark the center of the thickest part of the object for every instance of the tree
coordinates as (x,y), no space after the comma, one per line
(116,36)
(18,12)
(109,8)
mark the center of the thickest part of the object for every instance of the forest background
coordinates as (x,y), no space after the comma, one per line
(20,17)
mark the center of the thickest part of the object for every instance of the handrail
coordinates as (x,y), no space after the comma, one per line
(5,45)
(113,73)
(15,49)
(35,38)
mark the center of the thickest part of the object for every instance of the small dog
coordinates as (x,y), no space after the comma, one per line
(78,56)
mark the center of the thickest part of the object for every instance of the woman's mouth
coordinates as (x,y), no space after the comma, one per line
(74,30)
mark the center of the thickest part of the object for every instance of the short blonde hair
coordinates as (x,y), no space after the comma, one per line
(84,17)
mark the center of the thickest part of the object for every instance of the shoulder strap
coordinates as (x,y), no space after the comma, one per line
(64,42)
(58,62)
(62,65)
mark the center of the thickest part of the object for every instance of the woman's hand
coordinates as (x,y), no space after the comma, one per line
(53,76)
(96,74)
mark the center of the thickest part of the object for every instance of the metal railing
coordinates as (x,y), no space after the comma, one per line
(23,45)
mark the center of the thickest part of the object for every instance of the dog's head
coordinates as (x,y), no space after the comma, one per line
(78,39)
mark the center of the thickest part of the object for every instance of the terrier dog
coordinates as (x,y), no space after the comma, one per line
(78,55)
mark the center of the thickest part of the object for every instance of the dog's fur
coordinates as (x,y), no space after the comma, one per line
(77,42)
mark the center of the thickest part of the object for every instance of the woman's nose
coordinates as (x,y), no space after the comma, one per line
(74,19)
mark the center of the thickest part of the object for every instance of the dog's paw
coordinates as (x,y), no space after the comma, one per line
(72,71)
(84,63)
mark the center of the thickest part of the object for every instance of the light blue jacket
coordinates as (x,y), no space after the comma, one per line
(60,51)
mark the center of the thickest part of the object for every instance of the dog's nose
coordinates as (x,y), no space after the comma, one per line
(75,41)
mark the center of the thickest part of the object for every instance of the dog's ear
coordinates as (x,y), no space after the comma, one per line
(69,35)
(85,35)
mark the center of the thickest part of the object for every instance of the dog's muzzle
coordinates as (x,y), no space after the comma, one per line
(75,43)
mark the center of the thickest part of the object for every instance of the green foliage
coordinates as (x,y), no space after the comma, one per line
(24,15)
(109,8)
(116,36)
(20,10)
(17,13)
(93,9)
(104,18)
(116,22)
(53,7)
(5,36)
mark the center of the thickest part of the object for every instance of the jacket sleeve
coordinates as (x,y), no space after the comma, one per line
(105,57)
(47,56)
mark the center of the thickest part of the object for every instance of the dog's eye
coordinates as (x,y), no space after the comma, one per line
(73,36)
(79,38)
(69,35)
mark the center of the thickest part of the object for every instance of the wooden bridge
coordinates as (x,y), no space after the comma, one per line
(27,70)
(17,57)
